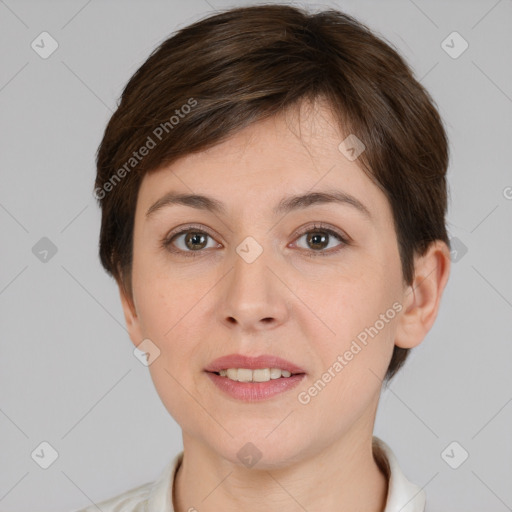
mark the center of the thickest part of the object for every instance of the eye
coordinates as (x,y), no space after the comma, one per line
(189,241)
(318,238)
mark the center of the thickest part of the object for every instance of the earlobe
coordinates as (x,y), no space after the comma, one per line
(421,300)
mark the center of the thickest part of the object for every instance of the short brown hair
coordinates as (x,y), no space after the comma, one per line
(222,73)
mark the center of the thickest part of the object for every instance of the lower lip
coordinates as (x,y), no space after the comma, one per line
(255,391)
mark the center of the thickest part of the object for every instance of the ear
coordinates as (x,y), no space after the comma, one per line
(421,300)
(130,314)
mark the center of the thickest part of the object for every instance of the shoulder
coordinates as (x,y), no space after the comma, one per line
(133,500)
(155,495)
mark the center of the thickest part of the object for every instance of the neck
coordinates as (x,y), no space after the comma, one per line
(345,476)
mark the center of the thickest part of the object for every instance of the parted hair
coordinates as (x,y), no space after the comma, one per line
(218,75)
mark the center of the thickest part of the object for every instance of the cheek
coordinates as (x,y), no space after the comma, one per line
(356,318)
(167,318)
(163,300)
(354,359)
(166,314)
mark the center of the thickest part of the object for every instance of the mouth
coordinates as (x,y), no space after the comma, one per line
(254,385)
(242,368)
(256,375)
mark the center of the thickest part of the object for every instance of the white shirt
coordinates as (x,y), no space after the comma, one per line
(403,496)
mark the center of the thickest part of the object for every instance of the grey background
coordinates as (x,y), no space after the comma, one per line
(68,375)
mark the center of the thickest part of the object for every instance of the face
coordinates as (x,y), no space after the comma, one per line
(320,279)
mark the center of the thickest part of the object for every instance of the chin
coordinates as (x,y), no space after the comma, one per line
(262,451)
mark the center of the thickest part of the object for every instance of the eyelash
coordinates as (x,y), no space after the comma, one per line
(166,242)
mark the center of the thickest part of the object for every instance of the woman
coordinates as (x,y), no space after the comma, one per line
(273,193)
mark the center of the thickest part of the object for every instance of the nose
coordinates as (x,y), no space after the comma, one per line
(253,296)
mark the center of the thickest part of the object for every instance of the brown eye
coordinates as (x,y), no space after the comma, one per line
(188,242)
(319,238)
(191,241)
(195,240)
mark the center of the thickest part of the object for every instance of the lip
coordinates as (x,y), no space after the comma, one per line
(252,363)
(255,391)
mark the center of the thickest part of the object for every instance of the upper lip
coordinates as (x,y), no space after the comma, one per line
(252,363)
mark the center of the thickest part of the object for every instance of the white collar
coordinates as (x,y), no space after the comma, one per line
(403,496)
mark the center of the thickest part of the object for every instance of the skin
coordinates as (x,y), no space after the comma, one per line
(307,310)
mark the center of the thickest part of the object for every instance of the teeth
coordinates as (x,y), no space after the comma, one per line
(260,375)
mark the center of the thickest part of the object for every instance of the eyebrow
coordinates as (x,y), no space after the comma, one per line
(286,205)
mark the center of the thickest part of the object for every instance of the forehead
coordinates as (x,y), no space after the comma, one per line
(258,166)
